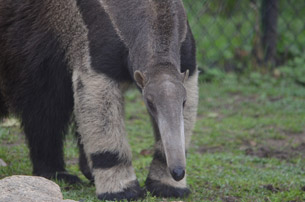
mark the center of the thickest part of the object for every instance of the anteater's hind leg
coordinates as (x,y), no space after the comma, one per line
(99,113)
(45,114)
(43,99)
(159,181)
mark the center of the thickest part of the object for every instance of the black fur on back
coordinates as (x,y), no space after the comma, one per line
(108,53)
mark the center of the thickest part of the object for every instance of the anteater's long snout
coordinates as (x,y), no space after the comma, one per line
(171,128)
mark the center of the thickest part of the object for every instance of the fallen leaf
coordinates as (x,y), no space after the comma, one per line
(146,152)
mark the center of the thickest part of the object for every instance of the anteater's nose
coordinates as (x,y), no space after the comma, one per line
(178,173)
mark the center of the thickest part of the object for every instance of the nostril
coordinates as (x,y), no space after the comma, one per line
(178,173)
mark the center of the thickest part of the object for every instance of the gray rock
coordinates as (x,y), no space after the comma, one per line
(2,163)
(20,188)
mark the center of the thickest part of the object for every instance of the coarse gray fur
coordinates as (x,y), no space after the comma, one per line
(152,42)
(190,108)
(99,112)
(72,31)
(155,38)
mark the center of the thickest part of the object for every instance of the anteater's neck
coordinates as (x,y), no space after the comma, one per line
(151,29)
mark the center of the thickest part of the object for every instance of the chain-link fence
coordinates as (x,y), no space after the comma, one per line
(233,34)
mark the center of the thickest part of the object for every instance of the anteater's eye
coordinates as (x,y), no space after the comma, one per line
(150,105)
(184,103)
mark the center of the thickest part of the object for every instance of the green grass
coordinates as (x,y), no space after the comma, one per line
(248,143)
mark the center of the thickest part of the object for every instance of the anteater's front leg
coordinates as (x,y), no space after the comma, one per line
(160,182)
(100,118)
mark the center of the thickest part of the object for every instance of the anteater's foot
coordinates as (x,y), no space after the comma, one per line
(131,193)
(157,188)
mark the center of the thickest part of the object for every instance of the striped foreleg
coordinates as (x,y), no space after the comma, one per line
(99,114)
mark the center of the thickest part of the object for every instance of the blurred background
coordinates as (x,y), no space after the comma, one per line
(238,35)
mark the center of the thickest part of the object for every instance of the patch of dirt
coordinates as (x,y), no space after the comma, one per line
(206,149)
(265,152)
(271,188)
(280,153)
(230,199)
(291,145)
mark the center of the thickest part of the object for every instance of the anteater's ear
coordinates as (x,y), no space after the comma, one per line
(139,78)
(185,75)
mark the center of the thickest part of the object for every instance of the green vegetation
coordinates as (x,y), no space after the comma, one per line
(228,32)
(248,143)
